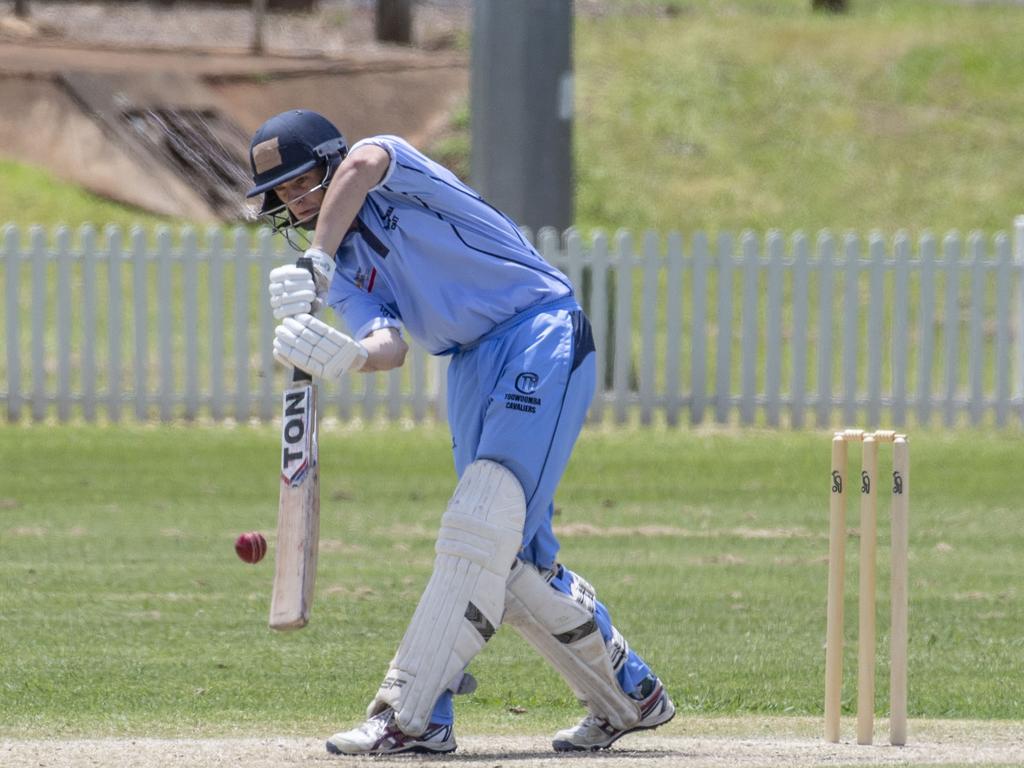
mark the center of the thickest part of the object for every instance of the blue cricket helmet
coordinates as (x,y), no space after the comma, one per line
(289,145)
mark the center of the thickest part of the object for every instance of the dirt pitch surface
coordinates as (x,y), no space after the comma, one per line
(690,742)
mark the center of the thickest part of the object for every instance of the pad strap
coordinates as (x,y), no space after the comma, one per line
(564,631)
(462,605)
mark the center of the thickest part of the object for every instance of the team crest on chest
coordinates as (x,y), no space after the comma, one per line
(364,281)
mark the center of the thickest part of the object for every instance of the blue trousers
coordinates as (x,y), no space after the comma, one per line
(519,397)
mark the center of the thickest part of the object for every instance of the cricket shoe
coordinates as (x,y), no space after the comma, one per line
(593,732)
(380,735)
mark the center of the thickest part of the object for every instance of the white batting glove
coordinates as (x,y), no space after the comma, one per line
(323,270)
(317,348)
(292,292)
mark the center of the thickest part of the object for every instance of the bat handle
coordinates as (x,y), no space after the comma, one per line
(299,376)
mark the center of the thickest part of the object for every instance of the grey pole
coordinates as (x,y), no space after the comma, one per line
(521,100)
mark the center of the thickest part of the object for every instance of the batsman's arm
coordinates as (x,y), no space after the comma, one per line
(385,349)
(358,173)
(291,291)
(316,348)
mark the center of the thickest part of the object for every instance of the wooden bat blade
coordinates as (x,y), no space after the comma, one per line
(298,515)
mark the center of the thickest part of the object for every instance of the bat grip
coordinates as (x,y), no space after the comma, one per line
(299,375)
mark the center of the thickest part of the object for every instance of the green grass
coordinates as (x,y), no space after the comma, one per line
(758,114)
(30,195)
(124,610)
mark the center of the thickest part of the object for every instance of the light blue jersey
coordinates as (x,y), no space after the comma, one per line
(428,253)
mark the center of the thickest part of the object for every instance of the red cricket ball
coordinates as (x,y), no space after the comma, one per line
(251,546)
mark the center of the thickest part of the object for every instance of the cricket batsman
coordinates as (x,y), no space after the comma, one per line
(399,243)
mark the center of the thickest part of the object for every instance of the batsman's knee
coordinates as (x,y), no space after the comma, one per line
(462,605)
(563,628)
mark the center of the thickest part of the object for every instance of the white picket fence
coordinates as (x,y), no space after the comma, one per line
(772,330)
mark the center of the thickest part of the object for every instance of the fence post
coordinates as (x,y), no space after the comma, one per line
(673,327)
(165,346)
(243,247)
(723,357)
(851,326)
(699,345)
(1018,262)
(371,383)
(599,319)
(926,308)
(572,246)
(12,255)
(190,312)
(1004,288)
(826,313)
(268,366)
(773,331)
(115,322)
(344,397)
(418,377)
(215,240)
(648,326)
(140,289)
(951,325)
(749,330)
(88,323)
(900,329)
(64,325)
(801,315)
(441,401)
(976,344)
(39,256)
(395,396)
(876,317)
(623,317)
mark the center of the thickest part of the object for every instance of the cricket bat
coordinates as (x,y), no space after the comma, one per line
(298,511)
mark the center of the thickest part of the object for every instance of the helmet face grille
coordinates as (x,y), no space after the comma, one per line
(285,147)
(281,220)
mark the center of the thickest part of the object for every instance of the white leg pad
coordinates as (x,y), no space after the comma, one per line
(462,605)
(564,631)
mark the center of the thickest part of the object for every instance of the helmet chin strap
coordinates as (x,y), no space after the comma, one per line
(297,232)
(300,236)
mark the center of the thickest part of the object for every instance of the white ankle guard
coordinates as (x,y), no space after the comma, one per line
(564,631)
(461,607)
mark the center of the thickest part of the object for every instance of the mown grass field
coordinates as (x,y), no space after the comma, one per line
(123,608)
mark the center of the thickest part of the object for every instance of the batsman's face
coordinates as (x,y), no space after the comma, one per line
(303,195)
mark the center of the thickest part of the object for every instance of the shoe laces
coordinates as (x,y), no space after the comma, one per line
(596,721)
(380,721)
